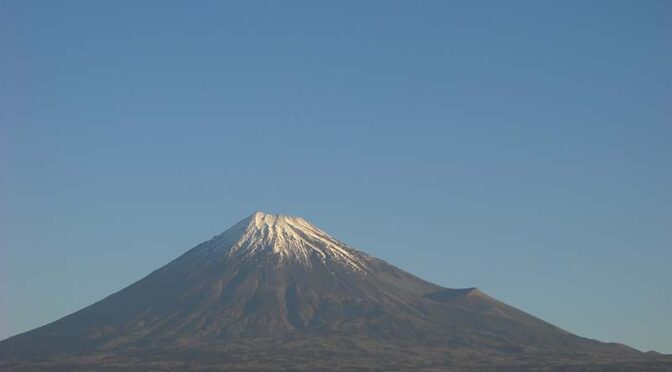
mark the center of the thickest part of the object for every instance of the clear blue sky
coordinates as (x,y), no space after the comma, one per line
(524,148)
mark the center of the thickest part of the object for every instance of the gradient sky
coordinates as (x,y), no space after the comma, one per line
(522,148)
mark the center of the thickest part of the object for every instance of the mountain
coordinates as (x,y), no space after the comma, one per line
(275,292)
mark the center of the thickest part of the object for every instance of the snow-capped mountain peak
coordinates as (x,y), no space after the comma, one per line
(287,237)
(283,290)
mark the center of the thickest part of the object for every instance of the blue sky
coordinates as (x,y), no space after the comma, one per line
(524,149)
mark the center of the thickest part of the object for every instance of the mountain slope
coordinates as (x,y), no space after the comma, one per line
(279,287)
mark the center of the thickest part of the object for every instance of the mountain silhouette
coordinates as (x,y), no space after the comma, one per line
(275,292)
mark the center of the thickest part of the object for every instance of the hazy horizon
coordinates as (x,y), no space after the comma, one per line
(524,150)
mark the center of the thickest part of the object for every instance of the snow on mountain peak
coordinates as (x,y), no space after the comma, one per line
(275,222)
(290,238)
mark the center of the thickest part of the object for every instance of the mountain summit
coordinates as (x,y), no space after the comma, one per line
(276,292)
(290,238)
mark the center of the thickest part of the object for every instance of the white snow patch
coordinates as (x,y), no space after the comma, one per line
(289,237)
